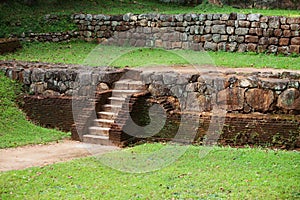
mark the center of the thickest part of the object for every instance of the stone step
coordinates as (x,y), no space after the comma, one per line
(116,100)
(105,123)
(124,93)
(129,85)
(112,108)
(96,130)
(97,139)
(107,115)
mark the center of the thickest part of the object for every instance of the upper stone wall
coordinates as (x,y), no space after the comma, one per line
(216,32)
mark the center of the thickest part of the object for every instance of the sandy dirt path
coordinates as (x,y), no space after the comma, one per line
(41,155)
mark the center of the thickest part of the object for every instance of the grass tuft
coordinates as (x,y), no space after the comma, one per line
(15,130)
(224,173)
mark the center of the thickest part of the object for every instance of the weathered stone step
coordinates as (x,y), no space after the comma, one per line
(106,115)
(105,123)
(95,130)
(124,93)
(97,139)
(112,108)
(129,85)
(116,100)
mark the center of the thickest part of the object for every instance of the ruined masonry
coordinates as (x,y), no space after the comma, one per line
(104,105)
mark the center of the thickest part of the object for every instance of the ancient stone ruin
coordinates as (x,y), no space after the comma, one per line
(117,106)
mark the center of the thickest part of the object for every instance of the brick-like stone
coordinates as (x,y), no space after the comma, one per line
(289,99)
(273,40)
(210,46)
(287,33)
(285,27)
(274,22)
(241,31)
(293,20)
(295,27)
(251,47)
(230,30)
(259,99)
(251,39)
(255,24)
(294,49)
(264,19)
(233,98)
(284,41)
(253,17)
(256,31)
(244,24)
(277,32)
(295,41)
(218,29)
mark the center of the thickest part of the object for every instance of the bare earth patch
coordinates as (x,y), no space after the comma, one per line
(41,155)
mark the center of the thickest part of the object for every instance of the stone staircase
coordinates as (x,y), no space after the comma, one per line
(99,132)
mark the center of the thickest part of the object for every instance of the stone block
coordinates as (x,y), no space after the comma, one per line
(264,19)
(283,50)
(255,24)
(284,41)
(259,99)
(210,46)
(241,31)
(295,27)
(230,30)
(277,32)
(293,20)
(242,48)
(232,98)
(244,24)
(256,31)
(274,22)
(253,17)
(285,27)
(289,99)
(251,47)
(273,40)
(218,29)
(273,49)
(287,33)
(295,41)
(251,39)
(294,49)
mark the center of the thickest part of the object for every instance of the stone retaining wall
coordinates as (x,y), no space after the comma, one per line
(216,32)
(260,106)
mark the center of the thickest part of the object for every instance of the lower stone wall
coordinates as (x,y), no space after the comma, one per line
(280,131)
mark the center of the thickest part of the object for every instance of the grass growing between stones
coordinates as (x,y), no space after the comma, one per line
(80,52)
(224,173)
(15,130)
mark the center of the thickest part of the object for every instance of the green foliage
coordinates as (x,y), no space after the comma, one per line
(225,173)
(15,130)
(16,18)
(80,52)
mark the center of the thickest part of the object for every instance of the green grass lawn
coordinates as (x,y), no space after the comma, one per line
(15,130)
(80,52)
(17,18)
(225,173)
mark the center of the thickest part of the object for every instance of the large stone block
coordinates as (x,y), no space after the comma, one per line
(259,99)
(218,29)
(232,98)
(241,31)
(295,41)
(289,99)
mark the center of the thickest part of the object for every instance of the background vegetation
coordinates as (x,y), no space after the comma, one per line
(55,16)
